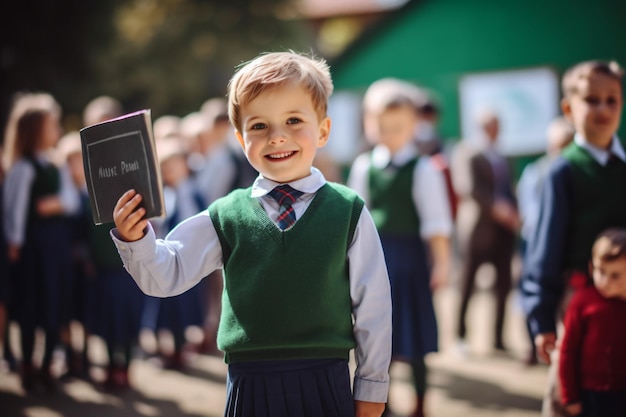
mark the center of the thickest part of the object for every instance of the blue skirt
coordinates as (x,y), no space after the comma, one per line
(413,315)
(118,308)
(289,388)
(175,313)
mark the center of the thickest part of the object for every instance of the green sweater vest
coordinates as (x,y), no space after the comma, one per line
(391,202)
(598,202)
(286,293)
(47,182)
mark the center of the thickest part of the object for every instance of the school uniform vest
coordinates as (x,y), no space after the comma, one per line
(286,293)
(391,200)
(598,201)
(47,182)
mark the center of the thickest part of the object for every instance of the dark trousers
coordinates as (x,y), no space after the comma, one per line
(499,254)
(603,403)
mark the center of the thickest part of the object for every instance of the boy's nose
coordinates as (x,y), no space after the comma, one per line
(277,136)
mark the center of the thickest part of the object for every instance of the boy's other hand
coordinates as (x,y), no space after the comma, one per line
(13,253)
(545,343)
(128,217)
(574,409)
(368,409)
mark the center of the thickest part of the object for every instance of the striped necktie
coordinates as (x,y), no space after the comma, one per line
(285,196)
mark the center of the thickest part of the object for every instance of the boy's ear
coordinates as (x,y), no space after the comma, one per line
(240,139)
(566,108)
(324,132)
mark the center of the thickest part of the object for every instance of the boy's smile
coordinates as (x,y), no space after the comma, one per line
(281,132)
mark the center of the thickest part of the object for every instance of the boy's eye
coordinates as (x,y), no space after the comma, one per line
(293,121)
(258,126)
(592,100)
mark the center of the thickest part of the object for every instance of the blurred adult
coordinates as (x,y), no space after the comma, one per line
(487,220)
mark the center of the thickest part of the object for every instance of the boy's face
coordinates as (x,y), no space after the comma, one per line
(174,170)
(394,127)
(281,132)
(609,277)
(595,109)
(75,164)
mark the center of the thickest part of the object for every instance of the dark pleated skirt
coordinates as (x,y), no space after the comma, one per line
(41,277)
(289,388)
(118,308)
(413,314)
(175,313)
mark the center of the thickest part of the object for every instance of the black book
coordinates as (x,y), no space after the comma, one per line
(119,155)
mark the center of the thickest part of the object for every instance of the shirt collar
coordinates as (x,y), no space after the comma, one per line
(601,155)
(381,157)
(309,184)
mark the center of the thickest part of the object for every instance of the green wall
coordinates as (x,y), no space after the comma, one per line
(435,42)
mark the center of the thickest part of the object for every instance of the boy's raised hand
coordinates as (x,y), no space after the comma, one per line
(129,218)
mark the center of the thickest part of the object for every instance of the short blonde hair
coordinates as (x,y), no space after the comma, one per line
(100,109)
(390,93)
(582,70)
(274,69)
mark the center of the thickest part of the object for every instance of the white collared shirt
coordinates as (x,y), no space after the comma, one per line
(170,266)
(601,155)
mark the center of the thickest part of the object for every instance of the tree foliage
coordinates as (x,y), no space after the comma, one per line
(167,55)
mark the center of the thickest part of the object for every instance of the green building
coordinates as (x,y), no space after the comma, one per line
(447,46)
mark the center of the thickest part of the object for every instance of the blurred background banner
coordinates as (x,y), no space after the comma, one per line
(525,100)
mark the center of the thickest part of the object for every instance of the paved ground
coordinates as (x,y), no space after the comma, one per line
(481,383)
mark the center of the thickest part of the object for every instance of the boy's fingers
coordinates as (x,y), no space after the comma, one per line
(128,203)
(125,198)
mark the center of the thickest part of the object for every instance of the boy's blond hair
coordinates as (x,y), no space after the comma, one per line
(582,70)
(100,109)
(390,93)
(275,69)
(610,245)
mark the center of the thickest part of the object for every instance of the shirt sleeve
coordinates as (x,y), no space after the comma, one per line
(570,351)
(527,198)
(357,179)
(69,195)
(542,279)
(171,266)
(16,198)
(430,197)
(371,307)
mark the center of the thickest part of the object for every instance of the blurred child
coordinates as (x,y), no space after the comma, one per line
(559,134)
(116,309)
(37,198)
(81,289)
(176,314)
(304,273)
(592,367)
(225,169)
(581,196)
(4,289)
(408,200)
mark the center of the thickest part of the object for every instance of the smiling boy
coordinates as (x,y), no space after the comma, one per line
(304,273)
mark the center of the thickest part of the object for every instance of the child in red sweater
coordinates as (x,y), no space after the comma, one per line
(592,368)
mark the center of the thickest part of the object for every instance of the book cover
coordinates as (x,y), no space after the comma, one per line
(119,155)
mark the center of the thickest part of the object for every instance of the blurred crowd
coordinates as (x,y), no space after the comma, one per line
(62,274)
